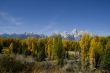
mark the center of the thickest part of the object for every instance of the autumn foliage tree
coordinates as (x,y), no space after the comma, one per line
(93,47)
(94,51)
(85,45)
(50,48)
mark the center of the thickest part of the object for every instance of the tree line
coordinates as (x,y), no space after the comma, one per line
(94,51)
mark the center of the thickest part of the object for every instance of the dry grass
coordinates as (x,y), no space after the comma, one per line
(14,64)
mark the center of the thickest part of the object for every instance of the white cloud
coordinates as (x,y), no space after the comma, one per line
(10,19)
(49,28)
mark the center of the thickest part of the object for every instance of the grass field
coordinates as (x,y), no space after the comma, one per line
(22,64)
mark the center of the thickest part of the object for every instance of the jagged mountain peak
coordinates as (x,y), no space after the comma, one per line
(73,35)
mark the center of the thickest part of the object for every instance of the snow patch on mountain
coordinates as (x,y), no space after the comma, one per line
(73,35)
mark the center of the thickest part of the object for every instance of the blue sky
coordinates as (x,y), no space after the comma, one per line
(48,16)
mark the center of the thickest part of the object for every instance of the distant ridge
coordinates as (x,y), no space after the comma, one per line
(73,35)
(24,35)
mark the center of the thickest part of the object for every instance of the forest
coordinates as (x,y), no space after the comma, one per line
(90,54)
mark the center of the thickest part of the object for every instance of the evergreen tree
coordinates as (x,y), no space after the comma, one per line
(106,57)
(58,51)
(41,50)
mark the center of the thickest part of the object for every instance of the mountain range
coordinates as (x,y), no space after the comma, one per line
(73,35)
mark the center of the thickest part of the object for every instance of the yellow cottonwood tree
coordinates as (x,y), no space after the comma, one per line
(85,45)
(93,45)
(96,52)
(50,47)
(11,47)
